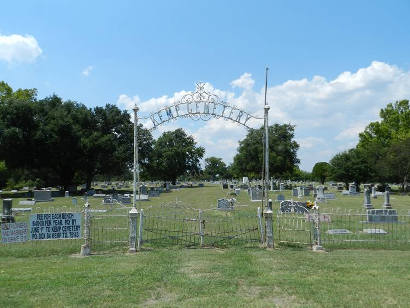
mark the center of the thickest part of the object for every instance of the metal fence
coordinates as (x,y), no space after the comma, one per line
(200,228)
(109,230)
(343,229)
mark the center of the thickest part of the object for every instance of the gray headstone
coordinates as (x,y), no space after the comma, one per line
(74,201)
(280,198)
(7,207)
(382,216)
(338,231)
(294,192)
(27,202)
(225,204)
(42,195)
(374,231)
(367,201)
(256,194)
(67,194)
(386,203)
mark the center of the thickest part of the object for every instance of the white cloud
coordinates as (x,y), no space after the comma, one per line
(309,142)
(18,48)
(86,72)
(244,82)
(328,114)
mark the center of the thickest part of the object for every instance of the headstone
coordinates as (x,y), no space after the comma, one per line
(306,192)
(338,231)
(108,200)
(382,216)
(374,231)
(290,206)
(330,196)
(74,201)
(282,186)
(237,191)
(256,194)
(374,195)
(153,193)
(387,204)
(352,188)
(126,200)
(322,218)
(91,192)
(27,202)
(67,194)
(42,195)
(245,180)
(280,198)
(99,195)
(367,201)
(294,192)
(224,185)
(143,190)
(225,204)
(300,192)
(7,211)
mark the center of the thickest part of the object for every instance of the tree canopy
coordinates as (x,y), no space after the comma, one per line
(174,154)
(321,171)
(282,152)
(56,142)
(215,168)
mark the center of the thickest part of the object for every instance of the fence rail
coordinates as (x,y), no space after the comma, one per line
(189,227)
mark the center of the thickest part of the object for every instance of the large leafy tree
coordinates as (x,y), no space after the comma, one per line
(174,154)
(396,163)
(282,152)
(64,142)
(215,168)
(350,166)
(321,171)
(378,137)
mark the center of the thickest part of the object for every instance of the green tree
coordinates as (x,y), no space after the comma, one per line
(396,163)
(215,168)
(300,175)
(282,152)
(175,154)
(321,171)
(350,166)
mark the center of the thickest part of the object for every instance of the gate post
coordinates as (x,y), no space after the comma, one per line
(140,229)
(316,232)
(269,227)
(133,213)
(85,248)
(201,228)
(260,224)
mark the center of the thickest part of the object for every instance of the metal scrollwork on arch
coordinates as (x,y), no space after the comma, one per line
(200,105)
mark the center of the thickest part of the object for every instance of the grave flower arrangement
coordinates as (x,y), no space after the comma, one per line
(310,204)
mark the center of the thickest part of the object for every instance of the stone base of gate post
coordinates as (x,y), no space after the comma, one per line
(85,250)
(268,214)
(133,230)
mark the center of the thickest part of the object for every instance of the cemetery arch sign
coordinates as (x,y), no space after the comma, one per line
(202,105)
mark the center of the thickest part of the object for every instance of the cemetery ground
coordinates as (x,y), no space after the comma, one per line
(50,273)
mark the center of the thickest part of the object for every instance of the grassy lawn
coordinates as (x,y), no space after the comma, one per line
(210,278)
(46,274)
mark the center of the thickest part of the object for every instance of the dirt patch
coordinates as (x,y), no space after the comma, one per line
(159,297)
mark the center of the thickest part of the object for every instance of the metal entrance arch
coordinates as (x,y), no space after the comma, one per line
(202,105)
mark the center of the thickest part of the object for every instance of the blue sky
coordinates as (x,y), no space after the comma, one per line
(333,64)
